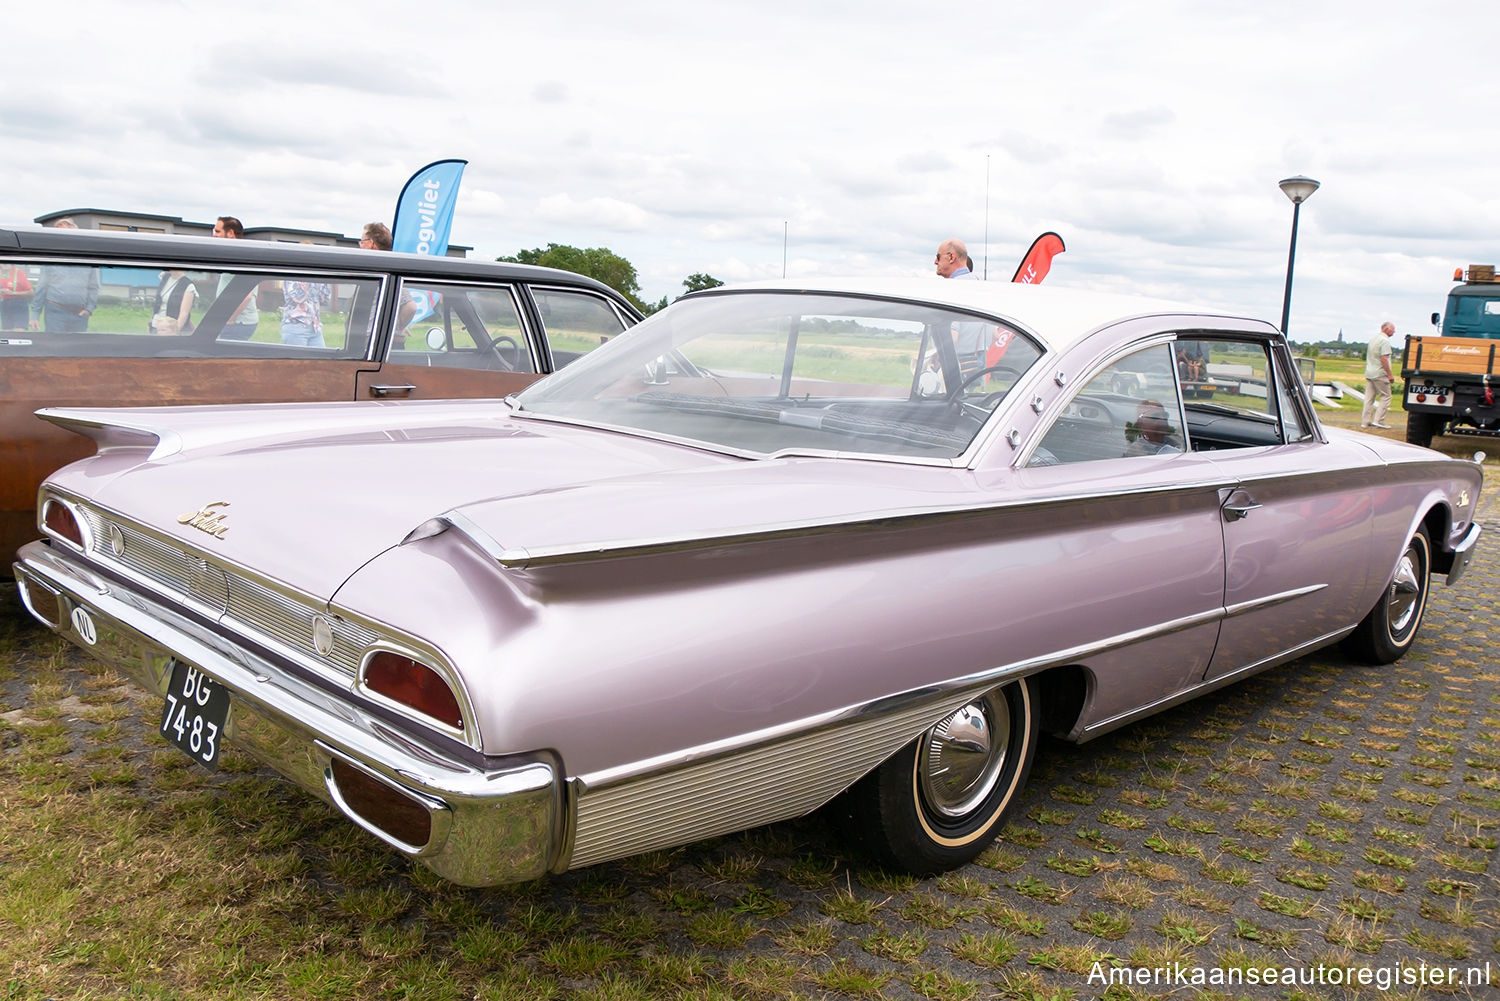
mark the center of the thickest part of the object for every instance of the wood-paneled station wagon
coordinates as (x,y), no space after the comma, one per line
(851,542)
(124,319)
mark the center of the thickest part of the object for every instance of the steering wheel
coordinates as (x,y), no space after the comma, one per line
(506,351)
(956,392)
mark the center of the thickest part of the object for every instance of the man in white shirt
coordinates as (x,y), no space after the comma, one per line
(970,340)
(1378,378)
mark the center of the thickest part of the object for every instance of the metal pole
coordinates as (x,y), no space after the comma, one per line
(1291,259)
(986,275)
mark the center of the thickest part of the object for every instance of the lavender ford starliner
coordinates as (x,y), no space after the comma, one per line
(780,546)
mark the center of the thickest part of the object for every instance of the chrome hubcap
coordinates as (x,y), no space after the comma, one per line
(1405,589)
(961,758)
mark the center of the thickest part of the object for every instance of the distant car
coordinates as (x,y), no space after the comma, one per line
(773,548)
(473,329)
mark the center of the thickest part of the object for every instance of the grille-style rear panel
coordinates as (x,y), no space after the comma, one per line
(756,786)
(249,605)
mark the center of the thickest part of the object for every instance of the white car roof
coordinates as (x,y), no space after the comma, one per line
(1057,314)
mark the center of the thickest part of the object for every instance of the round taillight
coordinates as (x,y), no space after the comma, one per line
(1421,397)
(58,520)
(413,684)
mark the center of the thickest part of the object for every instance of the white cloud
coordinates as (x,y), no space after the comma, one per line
(698,137)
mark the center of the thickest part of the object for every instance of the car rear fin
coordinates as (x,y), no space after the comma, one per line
(111,433)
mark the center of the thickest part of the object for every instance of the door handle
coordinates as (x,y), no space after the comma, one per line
(1234,512)
(392,390)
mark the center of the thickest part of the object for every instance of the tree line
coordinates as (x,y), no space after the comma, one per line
(604,265)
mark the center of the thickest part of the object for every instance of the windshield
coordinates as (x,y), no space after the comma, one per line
(769,372)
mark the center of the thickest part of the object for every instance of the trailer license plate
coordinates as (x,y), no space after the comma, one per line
(194,714)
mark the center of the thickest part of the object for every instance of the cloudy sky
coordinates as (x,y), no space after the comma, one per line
(744,138)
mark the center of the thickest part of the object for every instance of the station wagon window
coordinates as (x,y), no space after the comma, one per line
(1129,409)
(462,326)
(83,311)
(576,322)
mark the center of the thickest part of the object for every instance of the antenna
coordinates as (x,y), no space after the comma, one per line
(986,275)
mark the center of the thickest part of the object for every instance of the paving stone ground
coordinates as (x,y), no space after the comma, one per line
(1323,812)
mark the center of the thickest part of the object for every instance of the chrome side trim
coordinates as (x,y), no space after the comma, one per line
(1220,681)
(475,534)
(522,558)
(1271,600)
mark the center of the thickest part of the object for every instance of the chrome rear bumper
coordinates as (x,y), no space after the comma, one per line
(490,825)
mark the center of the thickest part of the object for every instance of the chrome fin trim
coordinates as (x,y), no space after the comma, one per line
(527,557)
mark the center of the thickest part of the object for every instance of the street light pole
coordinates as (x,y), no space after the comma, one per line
(1299,189)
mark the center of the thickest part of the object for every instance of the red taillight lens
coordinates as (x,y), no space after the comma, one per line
(1421,397)
(413,684)
(60,522)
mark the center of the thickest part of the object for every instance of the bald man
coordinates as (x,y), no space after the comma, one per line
(952,260)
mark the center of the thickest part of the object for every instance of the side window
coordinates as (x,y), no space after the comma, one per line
(123,311)
(1231,394)
(1293,419)
(575,322)
(1128,409)
(460,326)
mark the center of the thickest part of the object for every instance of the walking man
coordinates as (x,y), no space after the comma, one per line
(1378,378)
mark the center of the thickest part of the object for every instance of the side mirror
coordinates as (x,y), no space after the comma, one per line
(656,372)
(1436,318)
(436,339)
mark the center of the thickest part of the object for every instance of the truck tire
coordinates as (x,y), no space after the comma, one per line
(1422,428)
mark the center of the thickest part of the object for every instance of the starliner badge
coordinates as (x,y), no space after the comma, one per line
(209,518)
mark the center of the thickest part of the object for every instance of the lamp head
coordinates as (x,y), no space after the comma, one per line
(1299,189)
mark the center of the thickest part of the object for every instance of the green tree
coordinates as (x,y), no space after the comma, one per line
(598,263)
(698,281)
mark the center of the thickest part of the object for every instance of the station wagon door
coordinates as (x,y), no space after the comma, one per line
(455,340)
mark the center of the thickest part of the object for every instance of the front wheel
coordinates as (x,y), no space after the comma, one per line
(940,800)
(1391,627)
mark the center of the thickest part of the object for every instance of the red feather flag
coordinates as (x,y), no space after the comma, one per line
(1034,267)
(1038,260)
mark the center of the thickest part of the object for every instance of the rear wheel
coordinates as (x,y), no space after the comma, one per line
(940,801)
(1391,627)
(1422,428)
